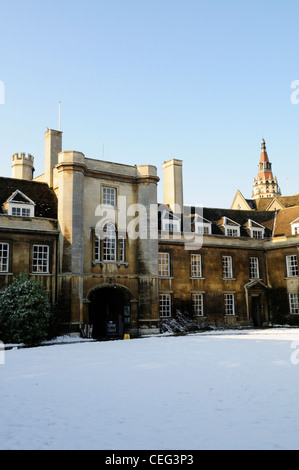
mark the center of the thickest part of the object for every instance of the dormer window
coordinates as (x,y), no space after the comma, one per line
(232,231)
(256,230)
(170,222)
(202,225)
(18,204)
(295,226)
(257,233)
(231,228)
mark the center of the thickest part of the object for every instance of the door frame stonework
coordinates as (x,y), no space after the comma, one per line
(111,292)
(258,289)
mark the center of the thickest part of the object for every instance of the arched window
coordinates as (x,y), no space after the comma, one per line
(109,242)
(109,245)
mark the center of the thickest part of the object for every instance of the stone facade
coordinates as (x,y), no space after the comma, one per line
(118,262)
(211,285)
(20,239)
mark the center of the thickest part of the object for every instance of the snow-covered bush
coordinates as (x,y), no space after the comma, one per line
(183,320)
(24,312)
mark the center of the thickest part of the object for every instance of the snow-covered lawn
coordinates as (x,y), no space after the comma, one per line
(230,390)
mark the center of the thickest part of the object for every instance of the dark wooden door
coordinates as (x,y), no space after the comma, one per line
(256,310)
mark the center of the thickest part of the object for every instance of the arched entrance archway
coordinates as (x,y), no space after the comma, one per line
(109,310)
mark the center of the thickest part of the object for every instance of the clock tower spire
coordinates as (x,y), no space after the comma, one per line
(265,185)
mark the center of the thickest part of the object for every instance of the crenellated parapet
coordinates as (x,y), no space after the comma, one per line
(22,166)
(23,156)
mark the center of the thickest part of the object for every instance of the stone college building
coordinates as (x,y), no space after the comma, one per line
(118,261)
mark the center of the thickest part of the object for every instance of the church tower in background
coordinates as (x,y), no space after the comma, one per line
(265,185)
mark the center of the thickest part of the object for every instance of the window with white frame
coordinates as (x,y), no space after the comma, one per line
(257,233)
(232,232)
(196,265)
(165,305)
(171,226)
(197,300)
(203,229)
(227,265)
(21,211)
(16,211)
(294,302)
(254,268)
(4,257)
(170,222)
(40,259)
(108,246)
(109,196)
(97,248)
(231,228)
(109,242)
(292,265)
(164,264)
(256,230)
(295,229)
(202,226)
(26,212)
(295,226)
(229,304)
(121,243)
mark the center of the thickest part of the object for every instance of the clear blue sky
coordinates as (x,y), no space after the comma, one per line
(148,80)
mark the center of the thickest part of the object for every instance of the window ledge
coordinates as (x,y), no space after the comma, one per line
(102,263)
(40,274)
(122,263)
(197,277)
(229,278)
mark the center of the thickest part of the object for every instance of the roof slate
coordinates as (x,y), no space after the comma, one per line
(44,198)
(216,215)
(283,221)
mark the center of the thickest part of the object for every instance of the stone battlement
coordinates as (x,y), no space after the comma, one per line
(23,156)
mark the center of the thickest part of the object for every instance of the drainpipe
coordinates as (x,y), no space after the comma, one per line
(267,285)
(266,270)
(56,270)
(247,301)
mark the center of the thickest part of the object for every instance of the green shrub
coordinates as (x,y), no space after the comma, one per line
(59,320)
(278,305)
(292,319)
(24,312)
